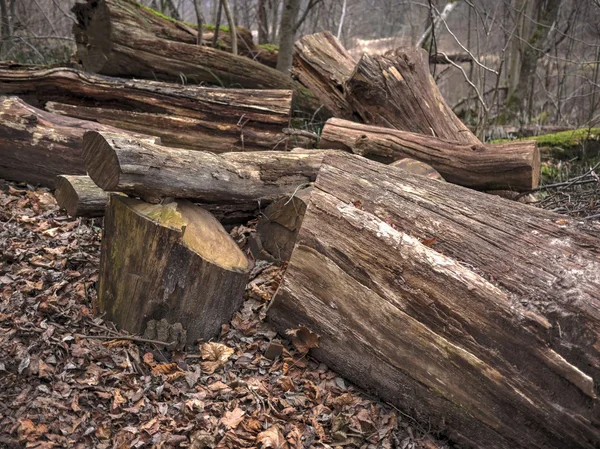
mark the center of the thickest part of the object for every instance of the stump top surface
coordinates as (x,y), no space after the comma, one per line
(201,232)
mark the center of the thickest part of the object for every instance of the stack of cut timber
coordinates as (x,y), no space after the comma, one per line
(201,118)
(479,314)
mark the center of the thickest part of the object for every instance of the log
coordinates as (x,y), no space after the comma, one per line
(322,65)
(119,38)
(278,227)
(121,164)
(209,119)
(396,90)
(507,166)
(80,196)
(37,146)
(170,261)
(472,313)
(418,168)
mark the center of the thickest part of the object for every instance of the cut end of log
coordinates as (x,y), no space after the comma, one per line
(79,196)
(101,160)
(202,233)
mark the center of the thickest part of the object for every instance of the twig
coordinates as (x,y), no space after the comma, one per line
(123,337)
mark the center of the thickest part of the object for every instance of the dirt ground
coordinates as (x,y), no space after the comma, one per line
(69,379)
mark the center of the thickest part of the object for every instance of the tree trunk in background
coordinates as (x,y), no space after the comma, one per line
(287,34)
(527,43)
(425,39)
(263,23)
(474,314)
(274,9)
(199,20)
(231,21)
(5,26)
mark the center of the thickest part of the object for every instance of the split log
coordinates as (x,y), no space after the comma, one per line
(121,164)
(322,65)
(115,37)
(37,146)
(194,117)
(278,227)
(507,166)
(80,196)
(170,261)
(396,90)
(476,314)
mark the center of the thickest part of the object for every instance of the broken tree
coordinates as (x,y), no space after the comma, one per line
(322,65)
(508,166)
(80,196)
(479,314)
(120,38)
(396,90)
(195,117)
(171,261)
(118,163)
(37,146)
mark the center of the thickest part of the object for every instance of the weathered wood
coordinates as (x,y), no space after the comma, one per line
(418,168)
(507,166)
(210,119)
(278,227)
(477,315)
(396,90)
(80,196)
(170,261)
(322,65)
(37,146)
(119,38)
(121,164)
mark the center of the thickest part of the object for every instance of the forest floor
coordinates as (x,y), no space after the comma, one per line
(67,379)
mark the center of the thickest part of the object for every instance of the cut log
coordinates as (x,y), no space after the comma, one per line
(121,164)
(278,227)
(209,119)
(37,146)
(322,65)
(80,196)
(507,166)
(114,37)
(418,168)
(396,90)
(478,315)
(170,261)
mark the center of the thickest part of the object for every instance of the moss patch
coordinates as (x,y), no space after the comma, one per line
(269,47)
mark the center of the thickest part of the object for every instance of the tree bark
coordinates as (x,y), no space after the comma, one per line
(80,196)
(442,300)
(170,261)
(194,117)
(322,65)
(37,146)
(278,227)
(287,34)
(263,23)
(508,166)
(120,164)
(199,21)
(396,90)
(231,21)
(121,38)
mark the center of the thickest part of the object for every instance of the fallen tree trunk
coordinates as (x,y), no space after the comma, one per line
(442,300)
(171,261)
(80,196)
(120,164)
(508,166)
(113,38)
(195,117)
(322,65)
(37,146)
(396,90)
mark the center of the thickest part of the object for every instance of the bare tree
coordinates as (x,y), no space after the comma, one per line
(230,19)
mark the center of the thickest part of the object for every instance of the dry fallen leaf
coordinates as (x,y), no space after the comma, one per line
(271,438)
(233,418)
(304,339)
(215,355)
(166,369)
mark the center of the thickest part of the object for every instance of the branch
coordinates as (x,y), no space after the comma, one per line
(311,5)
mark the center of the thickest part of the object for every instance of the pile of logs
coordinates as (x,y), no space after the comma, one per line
(471,312)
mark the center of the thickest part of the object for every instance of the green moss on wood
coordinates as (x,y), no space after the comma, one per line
(269,47)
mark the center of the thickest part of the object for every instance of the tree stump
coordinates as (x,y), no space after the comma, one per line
(171,261)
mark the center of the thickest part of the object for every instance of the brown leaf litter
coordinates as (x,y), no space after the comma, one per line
(61,388)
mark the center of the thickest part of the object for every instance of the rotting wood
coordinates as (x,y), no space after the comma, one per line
(80,196)
(170,261)
(121,164)
(477,315)
(507,166)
